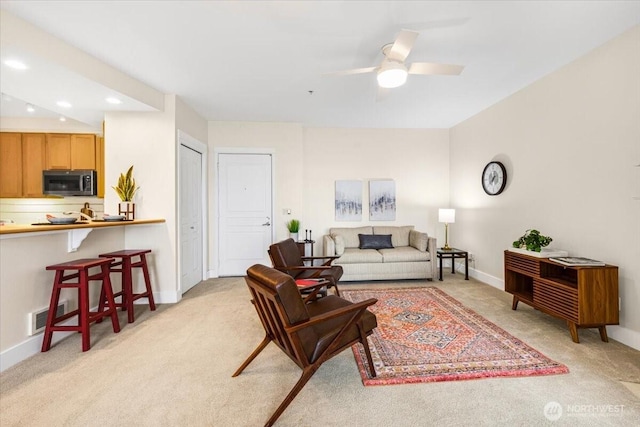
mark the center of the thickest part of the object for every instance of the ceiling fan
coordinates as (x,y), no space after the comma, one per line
(392,72)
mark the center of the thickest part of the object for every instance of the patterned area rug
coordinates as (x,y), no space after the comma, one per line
(424,335)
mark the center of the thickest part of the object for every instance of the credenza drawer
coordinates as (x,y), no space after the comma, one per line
(522,264)
(556,299)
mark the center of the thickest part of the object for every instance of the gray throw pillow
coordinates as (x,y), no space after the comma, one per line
(375,241)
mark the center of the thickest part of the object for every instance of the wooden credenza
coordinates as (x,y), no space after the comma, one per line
(586,297)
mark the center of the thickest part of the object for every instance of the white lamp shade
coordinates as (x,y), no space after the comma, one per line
(447,215)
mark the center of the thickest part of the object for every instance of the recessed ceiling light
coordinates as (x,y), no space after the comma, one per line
(63,119)
(113,100)
(63,104)
(30,108)
(15,64)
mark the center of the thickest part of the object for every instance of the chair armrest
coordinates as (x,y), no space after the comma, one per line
(313,290)
(328,258)
(355,307)
(308,267)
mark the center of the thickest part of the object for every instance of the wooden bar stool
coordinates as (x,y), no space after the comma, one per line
(79,269)
(125,266)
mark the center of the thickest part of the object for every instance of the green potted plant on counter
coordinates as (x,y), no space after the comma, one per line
(293,226)
(126,189)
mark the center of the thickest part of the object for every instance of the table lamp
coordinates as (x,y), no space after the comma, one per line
(448,216)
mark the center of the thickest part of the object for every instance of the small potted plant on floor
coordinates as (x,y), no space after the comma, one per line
(126,189)
(293,226)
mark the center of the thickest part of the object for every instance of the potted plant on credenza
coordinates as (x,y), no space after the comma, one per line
(533,243)
(126,189)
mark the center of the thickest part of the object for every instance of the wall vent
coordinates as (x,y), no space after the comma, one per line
(38,319)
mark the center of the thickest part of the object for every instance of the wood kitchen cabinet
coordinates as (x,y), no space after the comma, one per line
(33,163)
(100,164)
(10,164)
(23,157)
(70,151)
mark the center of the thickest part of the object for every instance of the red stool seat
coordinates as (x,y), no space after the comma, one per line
(79,269)
(125,266)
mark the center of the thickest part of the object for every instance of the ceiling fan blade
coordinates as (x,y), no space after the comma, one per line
(402,46)
(354,71)
(431,68)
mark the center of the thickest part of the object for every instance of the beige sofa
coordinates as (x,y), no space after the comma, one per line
(413,255)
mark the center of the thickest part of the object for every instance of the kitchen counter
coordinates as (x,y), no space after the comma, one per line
(28,228)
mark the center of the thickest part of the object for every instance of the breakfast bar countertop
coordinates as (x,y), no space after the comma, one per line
(29,228)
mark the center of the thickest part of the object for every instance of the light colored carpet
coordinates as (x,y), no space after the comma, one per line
(173,367)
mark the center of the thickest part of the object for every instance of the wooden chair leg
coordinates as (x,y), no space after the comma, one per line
(335,288)
(306,376)
(253,355)
(365,344)
(55,298)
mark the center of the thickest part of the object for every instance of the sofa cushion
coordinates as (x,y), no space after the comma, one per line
(350,235)
(375,241)
(357,256)
(399,235)
(418,240)
(338,241)
(404,254)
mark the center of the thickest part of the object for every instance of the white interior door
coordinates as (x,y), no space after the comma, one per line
(191,230)
(245,212)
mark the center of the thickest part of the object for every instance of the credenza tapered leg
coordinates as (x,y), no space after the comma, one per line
(603,333)
(574,332)
(514,304)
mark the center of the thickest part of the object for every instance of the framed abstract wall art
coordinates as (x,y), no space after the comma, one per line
(382,200)
(348,200)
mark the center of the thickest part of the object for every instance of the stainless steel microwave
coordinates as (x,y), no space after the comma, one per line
(79,182)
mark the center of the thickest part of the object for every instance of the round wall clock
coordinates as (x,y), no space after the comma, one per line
(494,178)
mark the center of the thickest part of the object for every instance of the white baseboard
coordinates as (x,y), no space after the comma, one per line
(481,276)
(624,335)
(32,346)
(164,297)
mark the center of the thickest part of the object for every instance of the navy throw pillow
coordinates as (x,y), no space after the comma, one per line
(375,241)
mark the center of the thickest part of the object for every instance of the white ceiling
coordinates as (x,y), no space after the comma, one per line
(259,61)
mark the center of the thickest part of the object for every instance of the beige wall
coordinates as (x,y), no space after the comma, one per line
(284,142)
(147,141)
(570,143)
(417,160)
(190,122)
(308,161)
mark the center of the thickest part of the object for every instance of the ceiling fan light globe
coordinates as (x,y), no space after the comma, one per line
(392,77)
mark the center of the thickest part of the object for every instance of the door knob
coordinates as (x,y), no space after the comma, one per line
(268,223)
